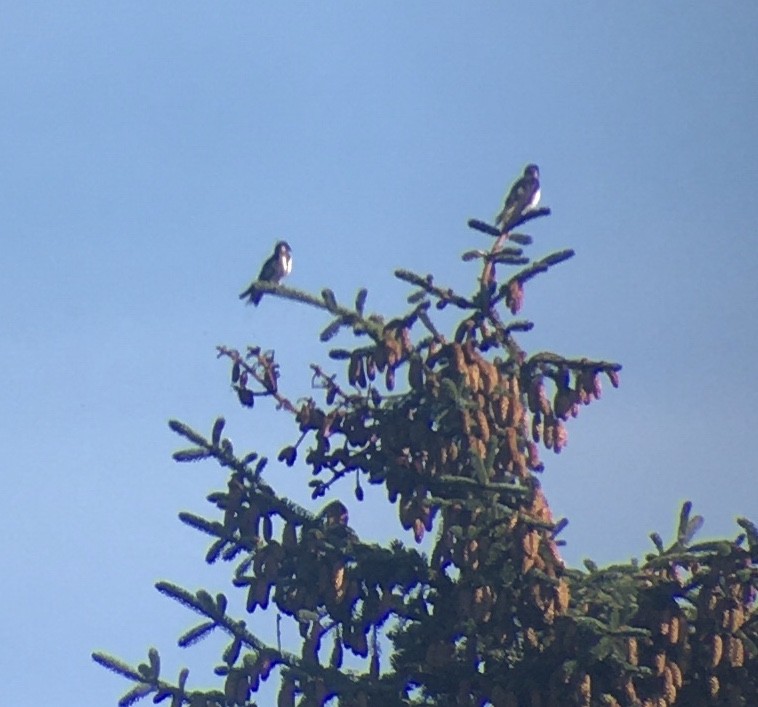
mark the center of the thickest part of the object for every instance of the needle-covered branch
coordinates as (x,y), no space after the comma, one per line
(328,302)
(444,295)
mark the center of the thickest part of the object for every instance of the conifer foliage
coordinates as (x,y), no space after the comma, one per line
(451,426)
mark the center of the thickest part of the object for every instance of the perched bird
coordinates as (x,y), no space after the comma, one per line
(274,269)
(524,195)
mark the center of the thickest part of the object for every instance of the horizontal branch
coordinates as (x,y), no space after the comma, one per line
(541,265)
(425,283)
(490,230)
(350,316)
(583,364)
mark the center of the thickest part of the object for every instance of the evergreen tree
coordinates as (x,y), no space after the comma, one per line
(451,426)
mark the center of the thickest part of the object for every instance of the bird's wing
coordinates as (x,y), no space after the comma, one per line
(521,194)
(519,197)
(268,271)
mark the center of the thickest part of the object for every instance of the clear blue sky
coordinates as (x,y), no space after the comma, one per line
(153,153)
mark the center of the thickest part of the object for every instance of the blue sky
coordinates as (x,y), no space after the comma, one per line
(152,155)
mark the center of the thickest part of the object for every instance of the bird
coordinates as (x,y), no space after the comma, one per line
(274,269)
(524,195)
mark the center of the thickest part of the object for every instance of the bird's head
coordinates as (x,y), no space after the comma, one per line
(532,170)
(283,248)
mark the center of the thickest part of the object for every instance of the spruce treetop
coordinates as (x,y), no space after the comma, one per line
(451,425)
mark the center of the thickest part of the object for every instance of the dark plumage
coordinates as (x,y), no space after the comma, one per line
(274,269)
(524,195)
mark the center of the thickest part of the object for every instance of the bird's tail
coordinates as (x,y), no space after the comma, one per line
(252,295)
(502,219)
